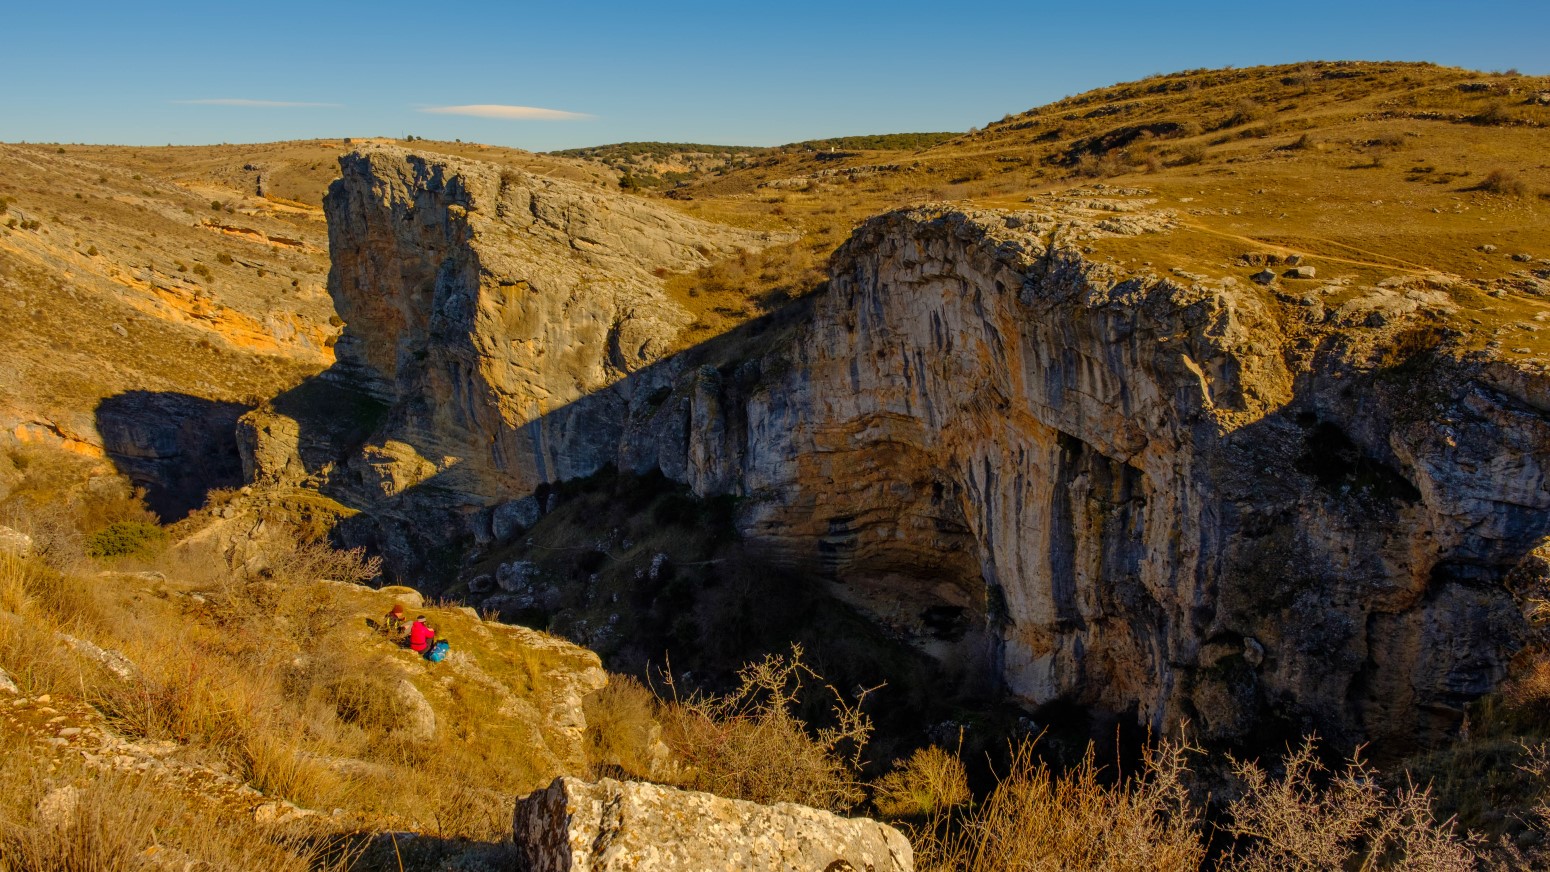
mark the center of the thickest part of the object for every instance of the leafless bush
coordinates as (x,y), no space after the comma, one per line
(1295,822)
(1189,153)
(750,744)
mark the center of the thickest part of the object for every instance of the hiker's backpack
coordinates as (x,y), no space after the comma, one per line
(438,652)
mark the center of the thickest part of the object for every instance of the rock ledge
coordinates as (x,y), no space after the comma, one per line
(574,826)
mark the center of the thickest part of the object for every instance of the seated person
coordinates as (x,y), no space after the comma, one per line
(420,636)
(396,625)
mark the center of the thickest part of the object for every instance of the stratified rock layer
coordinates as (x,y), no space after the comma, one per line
(1181,499)
(614,826)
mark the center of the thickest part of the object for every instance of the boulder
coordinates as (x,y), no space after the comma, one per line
(417,720)
(15,542)
(517,576)
(410,597)
(512,517)
(112,661)
(575,826)
(1264,276)
(1300,272)
(57,808)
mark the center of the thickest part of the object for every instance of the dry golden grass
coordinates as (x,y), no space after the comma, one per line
(66,819)
(623,721)
(1035,819)
(1370,170)
(269,672)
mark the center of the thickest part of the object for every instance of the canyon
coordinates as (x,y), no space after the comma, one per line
(1285,508)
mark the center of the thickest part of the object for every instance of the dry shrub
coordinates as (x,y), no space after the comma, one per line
(750,744)
(1036,820)
(1111,163)
(930,782)
(282,599)
(1500,181)
(1299,822)
(59,498)
(1189,153)
(622,728)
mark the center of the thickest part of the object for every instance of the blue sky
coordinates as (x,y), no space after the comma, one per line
(756,74)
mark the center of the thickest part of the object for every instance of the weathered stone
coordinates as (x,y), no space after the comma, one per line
(410,597)
(514,516)
(416,719)
(613,826)
(57,808)
(517,577)
(15,542)
(114,662)
(1264,276)
(1301,272)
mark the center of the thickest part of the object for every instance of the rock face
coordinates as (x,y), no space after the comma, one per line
(1178,499)
(616,826)
(482,300)
(494,312)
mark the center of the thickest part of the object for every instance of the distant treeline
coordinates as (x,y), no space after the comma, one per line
(662,150)
(656,150)
(878,142)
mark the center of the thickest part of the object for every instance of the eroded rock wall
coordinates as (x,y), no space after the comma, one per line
(1173,510)
(1170,496)
(480,300)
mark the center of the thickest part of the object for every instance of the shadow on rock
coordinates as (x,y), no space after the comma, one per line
(175,446)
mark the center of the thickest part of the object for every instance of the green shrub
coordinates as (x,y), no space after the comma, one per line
(126,539)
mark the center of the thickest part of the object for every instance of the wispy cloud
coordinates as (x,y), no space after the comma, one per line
(257,104)
(509,113)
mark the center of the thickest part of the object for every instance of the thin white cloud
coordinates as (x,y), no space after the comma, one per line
(257,104)
(508,113)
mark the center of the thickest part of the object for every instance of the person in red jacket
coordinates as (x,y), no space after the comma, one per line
(420,636)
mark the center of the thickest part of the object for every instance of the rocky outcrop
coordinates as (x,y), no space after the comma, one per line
(613,826)
(483,299)
(15,542)
(1164,495)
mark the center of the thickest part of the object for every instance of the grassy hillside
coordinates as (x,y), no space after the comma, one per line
(1374,172)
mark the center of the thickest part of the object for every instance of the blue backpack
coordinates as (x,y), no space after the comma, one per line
(438,652)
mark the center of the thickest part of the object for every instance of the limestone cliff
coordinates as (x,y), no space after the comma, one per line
(1170,495)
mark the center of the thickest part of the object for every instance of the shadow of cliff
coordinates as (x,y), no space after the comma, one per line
(176,446)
